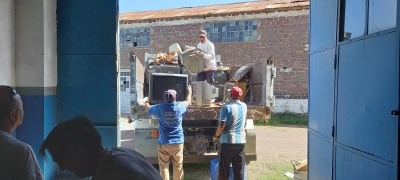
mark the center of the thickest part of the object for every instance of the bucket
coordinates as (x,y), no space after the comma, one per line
(214,170)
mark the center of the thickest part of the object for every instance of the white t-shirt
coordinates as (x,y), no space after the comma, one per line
(17,159)
(209,54)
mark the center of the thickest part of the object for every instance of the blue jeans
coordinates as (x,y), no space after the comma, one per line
(208,76)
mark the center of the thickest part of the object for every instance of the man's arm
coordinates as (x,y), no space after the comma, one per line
(188,97)
(220,129)
(146,106)
(221,124)
(189,94)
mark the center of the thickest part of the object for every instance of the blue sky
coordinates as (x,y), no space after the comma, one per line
(135,5)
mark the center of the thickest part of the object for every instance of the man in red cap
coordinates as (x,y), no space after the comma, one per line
(170,141)
(232,136)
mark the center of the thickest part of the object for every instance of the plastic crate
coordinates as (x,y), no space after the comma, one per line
(214,170)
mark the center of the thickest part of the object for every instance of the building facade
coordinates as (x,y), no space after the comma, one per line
(243,33)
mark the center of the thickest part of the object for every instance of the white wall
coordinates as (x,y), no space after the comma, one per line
(50,43)
(36,43)
(291,105)
(7,42)
(29,43)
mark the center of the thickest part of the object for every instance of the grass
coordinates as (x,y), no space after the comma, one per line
(204,167)
(279,119)
(265,169)
(199,166)
(274,170)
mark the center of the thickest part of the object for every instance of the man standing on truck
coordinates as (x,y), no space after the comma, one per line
(208,54)
(170,140)
(232,136)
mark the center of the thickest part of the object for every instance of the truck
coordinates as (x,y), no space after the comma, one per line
(201,119)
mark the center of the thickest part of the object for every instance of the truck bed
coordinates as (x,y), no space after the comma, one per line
(210,113)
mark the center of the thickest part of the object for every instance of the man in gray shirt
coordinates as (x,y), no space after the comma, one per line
(17,159)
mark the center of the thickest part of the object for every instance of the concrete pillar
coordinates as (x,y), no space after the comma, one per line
(36,72)
(7,42)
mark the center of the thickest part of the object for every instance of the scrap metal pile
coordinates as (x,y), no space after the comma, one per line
(170,58)
(175,53)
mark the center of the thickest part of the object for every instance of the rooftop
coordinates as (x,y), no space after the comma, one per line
(214,10)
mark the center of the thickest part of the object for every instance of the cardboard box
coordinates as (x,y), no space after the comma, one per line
(193,63)
(300,169)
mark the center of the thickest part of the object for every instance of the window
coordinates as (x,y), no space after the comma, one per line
(124,73)
(362,17)
(234,31)
(354,19)
(134,37)
(124,81)
(382,15)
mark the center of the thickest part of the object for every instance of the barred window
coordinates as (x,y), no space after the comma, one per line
(124,84)
(134,37)
(234,31)
(124,73)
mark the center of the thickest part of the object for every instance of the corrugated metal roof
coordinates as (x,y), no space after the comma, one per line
(214,10)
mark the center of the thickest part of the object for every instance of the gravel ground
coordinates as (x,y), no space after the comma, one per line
(274,144)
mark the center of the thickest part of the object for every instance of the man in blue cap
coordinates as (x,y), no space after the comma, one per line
(170,141)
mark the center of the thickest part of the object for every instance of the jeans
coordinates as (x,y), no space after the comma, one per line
(206,75)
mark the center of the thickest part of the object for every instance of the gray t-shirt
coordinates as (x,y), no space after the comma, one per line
(17,159)
(122,163)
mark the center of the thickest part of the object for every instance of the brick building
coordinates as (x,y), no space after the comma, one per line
(243,33)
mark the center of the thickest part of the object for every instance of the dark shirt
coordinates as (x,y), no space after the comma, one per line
(123,163)
(17,159)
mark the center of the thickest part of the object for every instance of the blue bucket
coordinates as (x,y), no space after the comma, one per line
(214,170)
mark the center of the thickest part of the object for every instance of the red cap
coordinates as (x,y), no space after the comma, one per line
(236,92)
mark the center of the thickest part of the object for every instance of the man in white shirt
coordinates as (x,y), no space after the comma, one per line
(208,49)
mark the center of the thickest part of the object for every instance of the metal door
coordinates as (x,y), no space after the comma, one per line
(366,137)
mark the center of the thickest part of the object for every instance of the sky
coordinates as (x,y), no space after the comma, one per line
(135,5)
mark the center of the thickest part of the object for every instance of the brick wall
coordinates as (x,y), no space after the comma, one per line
(283,37)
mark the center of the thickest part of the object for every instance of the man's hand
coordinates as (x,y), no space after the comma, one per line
(143,101)
(199,54)
(215,139)
(146,104)
(189,89)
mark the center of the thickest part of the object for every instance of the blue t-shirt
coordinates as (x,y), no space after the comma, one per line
(169,121)
(234,114)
